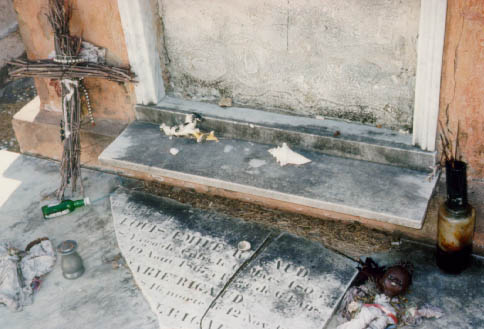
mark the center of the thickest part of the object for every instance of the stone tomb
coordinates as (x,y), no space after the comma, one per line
(189,267)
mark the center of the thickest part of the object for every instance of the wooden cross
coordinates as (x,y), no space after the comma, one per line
(68,67)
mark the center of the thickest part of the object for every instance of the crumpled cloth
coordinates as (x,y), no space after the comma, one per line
(19,270)
(92,54)
(89,53)
(373,316)
(414,316)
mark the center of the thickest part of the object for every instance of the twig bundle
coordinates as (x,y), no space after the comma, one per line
(68,47)
(71,155)
(60,13)
(450,149)
(48,69)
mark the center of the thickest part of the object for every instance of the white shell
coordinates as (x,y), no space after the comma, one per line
(284,155)
(174,151)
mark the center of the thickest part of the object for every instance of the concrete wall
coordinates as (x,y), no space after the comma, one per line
(349,59)
(462,91)
(8,21)
(97,22)
(11,45)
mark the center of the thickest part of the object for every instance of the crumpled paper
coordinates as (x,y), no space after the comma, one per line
(18,271)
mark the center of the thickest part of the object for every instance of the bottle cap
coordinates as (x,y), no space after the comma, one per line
(67,247)
(87,201)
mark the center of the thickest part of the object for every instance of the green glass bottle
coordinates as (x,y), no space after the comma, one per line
(63,208)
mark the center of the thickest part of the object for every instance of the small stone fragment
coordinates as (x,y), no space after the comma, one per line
(225,102)
(244,246)
(256,163)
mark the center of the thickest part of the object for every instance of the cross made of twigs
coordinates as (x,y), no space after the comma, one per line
(70,69)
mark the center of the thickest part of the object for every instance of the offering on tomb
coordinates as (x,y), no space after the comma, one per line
(63,208)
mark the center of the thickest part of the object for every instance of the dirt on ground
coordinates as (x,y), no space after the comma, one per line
(349,238)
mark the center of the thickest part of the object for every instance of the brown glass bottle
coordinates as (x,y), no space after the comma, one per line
(454,244)
(456,222)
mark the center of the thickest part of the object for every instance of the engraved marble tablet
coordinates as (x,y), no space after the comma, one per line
(294,283)
(190,267)
(180,257)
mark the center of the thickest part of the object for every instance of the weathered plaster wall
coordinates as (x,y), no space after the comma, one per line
(11,45)
(462,91)
(8,21)
(350,59)
(97,22)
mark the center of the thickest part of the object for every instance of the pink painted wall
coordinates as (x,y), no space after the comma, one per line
(97,22)
(462,91)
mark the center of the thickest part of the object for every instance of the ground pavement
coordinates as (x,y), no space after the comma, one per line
(107,296)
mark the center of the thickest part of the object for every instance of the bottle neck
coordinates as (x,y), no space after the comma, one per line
(458,211)
(79,203)
(456,183)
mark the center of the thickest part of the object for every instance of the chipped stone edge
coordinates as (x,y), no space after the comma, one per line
(338,302)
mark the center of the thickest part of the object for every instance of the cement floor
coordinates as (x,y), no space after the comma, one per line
(107,297)
(104,297)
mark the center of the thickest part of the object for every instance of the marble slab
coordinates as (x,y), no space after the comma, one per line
(358,188)
(189,267)
(294,283)
(180,257)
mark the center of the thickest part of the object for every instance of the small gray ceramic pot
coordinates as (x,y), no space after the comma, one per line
(71,263)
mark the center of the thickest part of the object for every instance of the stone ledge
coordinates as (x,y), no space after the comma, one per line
(340,138)
(38,133)
(351,187)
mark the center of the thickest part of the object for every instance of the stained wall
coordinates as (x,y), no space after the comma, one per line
(348,59)
(462,90)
